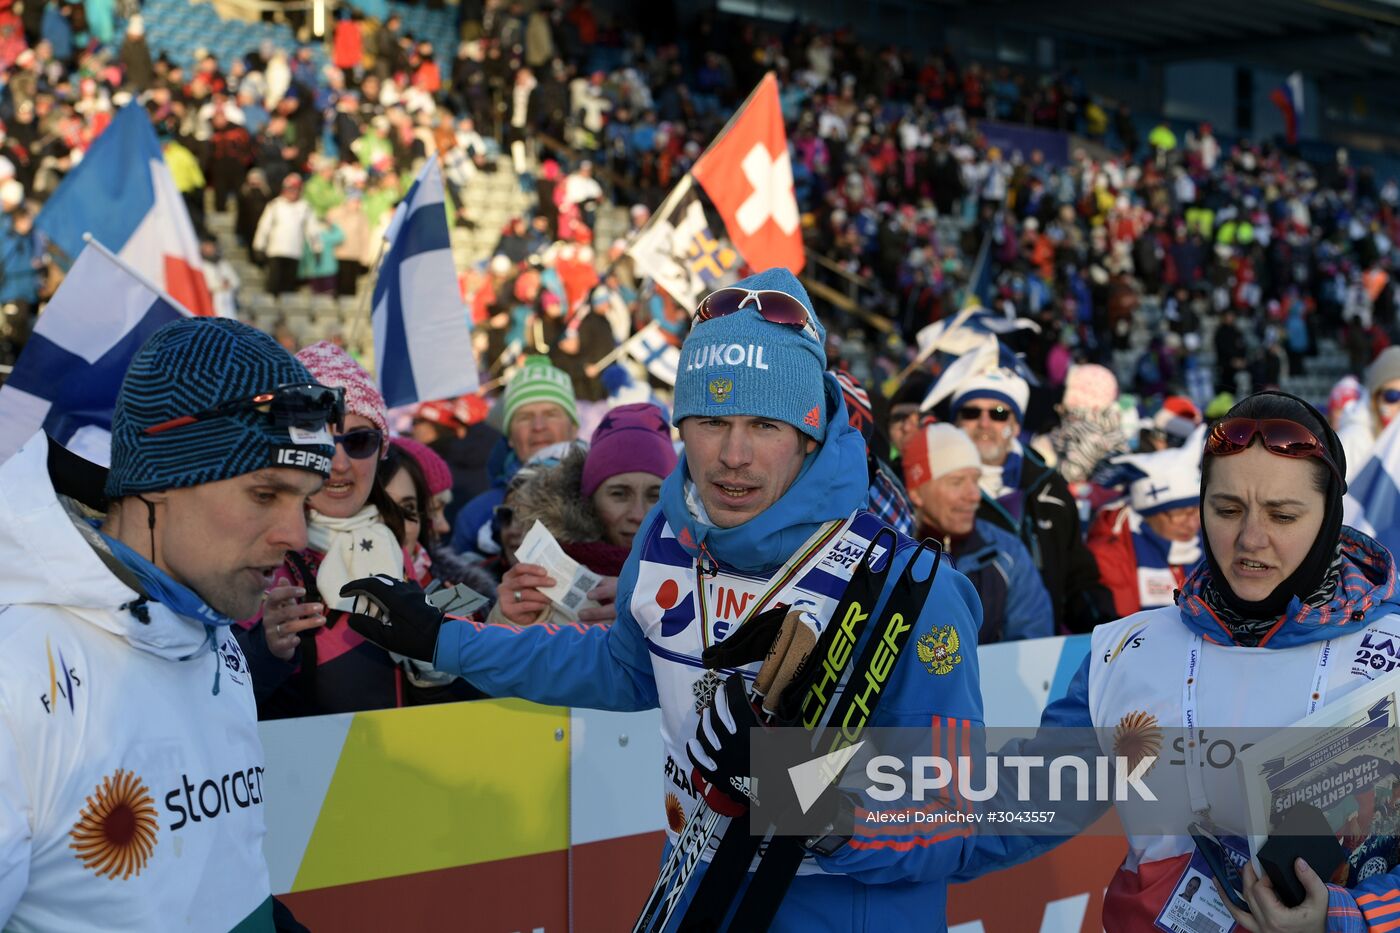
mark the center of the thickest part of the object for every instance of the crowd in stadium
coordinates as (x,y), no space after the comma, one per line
(1055,362)
(898,187)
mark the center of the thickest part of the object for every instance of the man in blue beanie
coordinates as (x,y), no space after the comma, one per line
(763,510)
(130,766)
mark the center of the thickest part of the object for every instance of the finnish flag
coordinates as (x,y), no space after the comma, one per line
(67,378)
(1372,502)
(650,347)
(422,329)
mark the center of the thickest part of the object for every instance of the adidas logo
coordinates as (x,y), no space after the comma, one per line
(814,417)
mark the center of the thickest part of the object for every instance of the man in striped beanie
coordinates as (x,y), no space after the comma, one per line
(120,681)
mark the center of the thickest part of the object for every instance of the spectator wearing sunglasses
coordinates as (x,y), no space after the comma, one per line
(312,662)
(1023,496)
(1362,424)
(1264,632)
(120,676)
(941,470)
(771,465)
(538,410)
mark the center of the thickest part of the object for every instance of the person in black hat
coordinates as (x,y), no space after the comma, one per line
(1280,620)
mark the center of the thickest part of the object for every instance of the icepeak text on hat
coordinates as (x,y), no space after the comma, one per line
(726,354)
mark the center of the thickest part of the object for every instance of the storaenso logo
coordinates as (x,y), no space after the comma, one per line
(215,796)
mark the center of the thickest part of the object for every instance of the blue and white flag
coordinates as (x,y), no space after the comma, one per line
(1372,502)
(422,329)
(650,347)
(67,378)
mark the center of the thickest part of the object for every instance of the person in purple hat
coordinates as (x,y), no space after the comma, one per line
(593,503)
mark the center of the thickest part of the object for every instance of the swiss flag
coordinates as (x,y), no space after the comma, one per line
(748,175)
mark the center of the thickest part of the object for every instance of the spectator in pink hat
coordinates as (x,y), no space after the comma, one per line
(312,663)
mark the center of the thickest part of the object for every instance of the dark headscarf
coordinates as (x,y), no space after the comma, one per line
(1304,581)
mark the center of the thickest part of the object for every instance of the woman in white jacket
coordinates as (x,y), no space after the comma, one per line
(282,235)
(1273,625)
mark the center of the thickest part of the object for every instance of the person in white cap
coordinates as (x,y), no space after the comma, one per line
(1146,545)
(1021,495)
(941,470)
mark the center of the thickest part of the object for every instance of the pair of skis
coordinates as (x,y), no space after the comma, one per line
(822,700)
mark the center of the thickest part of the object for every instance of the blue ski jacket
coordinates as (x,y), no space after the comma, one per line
(888,876)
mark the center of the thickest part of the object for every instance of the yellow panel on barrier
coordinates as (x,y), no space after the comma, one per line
(441,786)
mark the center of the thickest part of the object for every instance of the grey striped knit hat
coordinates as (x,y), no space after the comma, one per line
(190,366)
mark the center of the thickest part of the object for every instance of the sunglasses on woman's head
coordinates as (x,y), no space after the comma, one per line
(1280,437)
(998,413)
(775,307)
(361,443)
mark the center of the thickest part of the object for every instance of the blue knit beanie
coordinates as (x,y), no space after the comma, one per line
(741,364)
(189,366)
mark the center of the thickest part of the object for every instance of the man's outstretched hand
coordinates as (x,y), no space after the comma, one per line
(395,615)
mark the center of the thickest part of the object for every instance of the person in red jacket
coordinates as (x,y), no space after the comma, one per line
(1146,545)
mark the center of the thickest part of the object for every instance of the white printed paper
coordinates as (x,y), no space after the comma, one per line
(572,581)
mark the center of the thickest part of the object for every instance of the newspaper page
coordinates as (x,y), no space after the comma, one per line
(1345,760)
(572,581)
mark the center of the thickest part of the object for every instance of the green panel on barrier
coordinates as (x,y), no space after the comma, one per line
(435,787)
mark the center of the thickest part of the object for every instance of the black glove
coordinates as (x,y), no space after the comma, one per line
(720,749)
(396,616)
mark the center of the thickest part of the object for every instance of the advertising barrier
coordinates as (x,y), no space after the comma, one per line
(506,816)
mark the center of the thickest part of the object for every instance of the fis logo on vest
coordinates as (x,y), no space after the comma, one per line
(726,354)
(212,798)
(1378,653)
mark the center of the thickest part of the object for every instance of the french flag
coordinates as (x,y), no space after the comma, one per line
(67,377)
(1288,97)
(123,194)
(422,330)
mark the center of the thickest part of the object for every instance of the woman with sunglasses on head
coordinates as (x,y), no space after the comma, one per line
(312,662)
(1264,632)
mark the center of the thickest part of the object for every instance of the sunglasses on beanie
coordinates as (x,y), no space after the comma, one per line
(306,405)
(775,307)
(1280,437)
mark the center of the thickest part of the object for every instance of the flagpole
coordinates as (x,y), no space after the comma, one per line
(92,241)
(677,192)
(365,310)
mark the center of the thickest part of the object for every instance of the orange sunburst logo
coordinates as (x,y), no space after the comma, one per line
(1137,737)
(116,831)
(675,816)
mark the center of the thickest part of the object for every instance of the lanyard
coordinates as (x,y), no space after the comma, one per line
(1190,721)
(790,570)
